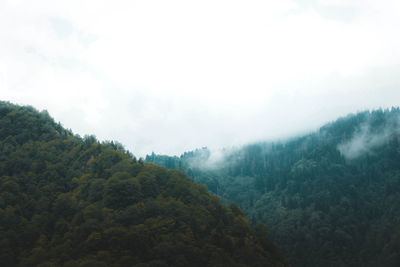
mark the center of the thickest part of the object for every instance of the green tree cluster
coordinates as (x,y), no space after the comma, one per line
(72,201)
(329,198)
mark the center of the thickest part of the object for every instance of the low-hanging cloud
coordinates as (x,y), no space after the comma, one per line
(207,159)
(365,139)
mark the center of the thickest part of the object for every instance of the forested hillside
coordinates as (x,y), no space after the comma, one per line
(330,198)
(72,201)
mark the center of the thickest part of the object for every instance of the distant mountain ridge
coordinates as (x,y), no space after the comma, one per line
(72,201)
(329,198)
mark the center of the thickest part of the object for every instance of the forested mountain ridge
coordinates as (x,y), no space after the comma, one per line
(72,201)
(329,198)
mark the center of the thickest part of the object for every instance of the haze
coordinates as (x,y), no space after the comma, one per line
(172,76)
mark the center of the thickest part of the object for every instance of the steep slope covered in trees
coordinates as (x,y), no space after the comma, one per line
(331,198)
(72,201)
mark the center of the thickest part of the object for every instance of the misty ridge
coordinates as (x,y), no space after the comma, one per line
(367,135)
(278,124)
(329,197)
(320,208)
(366,138)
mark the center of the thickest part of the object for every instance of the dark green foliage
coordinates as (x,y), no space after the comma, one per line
(72,201)
(331,198)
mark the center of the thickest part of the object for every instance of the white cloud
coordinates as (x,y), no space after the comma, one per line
(365,139)
(170,76)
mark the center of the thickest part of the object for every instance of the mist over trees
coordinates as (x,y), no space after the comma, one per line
(330,198)
(72,201)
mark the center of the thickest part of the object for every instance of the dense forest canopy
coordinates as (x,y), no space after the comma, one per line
(72,201)
(329,198)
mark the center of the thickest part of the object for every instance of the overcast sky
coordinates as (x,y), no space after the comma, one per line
(171,76)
